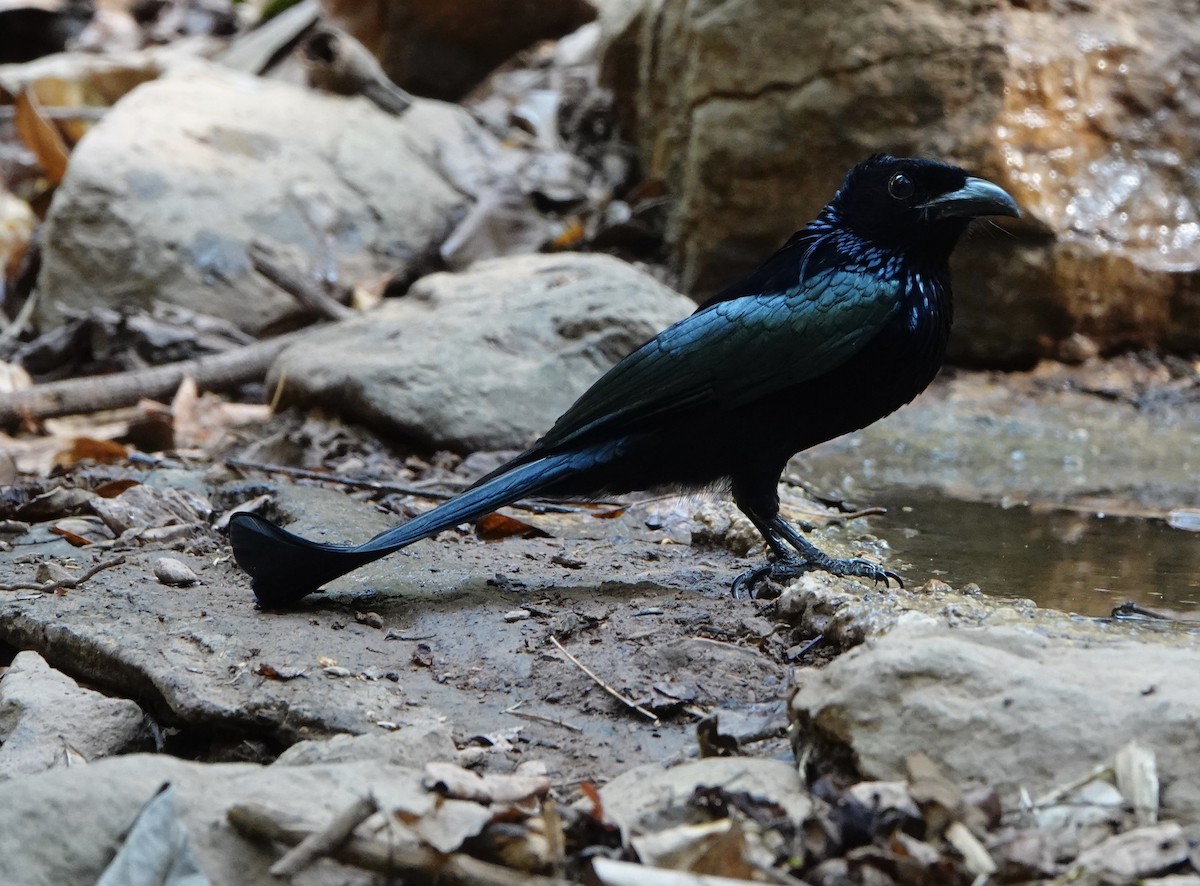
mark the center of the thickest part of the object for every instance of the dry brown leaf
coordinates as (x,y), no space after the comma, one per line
(42,137)
(72,539)
(493,527)
(91,449)
(62,92)
(113,488)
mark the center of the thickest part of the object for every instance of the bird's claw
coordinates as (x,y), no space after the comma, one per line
(790,568)
(860,568)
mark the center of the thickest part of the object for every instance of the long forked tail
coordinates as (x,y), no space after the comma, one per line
(284,567)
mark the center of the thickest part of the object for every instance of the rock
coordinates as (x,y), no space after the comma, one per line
(170,571)
(653,797)
(1090,117)
(442,48)
(46,717)
(163,196)
(92,807)
(486,359)
(411,744)
(1006,705)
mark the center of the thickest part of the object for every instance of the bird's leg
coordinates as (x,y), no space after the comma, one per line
(815,558)
(794,555)
(756,492)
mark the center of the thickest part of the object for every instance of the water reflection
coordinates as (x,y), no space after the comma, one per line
(1068,561)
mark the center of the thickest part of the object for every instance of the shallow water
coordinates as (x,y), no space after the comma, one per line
(1074,562)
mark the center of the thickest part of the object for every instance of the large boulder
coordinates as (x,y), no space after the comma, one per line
(486,359)
(1007,698)
(163,196)
(1090,116)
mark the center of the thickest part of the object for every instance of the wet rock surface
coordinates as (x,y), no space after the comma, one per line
(1087,117)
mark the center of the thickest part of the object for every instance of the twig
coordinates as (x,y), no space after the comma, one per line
(10,330)
(628,702)
(540,718)
(306,474)
(420,863)
(67,583)
(536,507)
(324,842)
(305,291)
(1053,796)
(213,372)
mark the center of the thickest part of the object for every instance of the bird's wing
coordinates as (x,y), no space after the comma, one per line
(733,351)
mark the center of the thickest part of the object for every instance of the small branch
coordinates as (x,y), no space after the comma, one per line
(76,396)
(303,290)
(628,702)
(540,718)
(420,863)
(325,842)
(306,474)
(50,587)
(538,507)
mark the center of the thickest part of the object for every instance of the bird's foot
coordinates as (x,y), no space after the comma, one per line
(789,568)
(856,566)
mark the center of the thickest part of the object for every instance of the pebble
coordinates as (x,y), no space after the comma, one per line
(170,571)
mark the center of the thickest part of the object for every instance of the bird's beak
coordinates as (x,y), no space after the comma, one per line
(975,198)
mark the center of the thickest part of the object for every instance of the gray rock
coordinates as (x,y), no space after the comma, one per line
(1079,113)
(62,828)
(652,797)
(1009,706)
(163,195)
(171,571)
(46,718)
(412,744)
(486,359)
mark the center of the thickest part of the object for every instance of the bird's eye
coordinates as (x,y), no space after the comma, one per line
(901,187)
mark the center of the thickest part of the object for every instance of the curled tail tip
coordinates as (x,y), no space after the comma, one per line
(280,573)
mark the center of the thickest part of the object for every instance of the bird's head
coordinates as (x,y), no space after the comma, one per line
(910,204)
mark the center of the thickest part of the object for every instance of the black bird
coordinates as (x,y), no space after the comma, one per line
(847,322)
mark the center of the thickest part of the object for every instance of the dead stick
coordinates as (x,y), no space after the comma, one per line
(67,583)
(538,507)
(307,292)
(540,718)
(611,690)
(95,393)
(326,841)
(420,863)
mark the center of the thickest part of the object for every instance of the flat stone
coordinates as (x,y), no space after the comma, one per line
(46,718)
(92,807)
(485,359)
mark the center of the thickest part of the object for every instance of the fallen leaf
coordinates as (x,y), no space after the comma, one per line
(74,540)
(113,488)
(42,137)
(91,449)
(453,781)
(493,527)
(271,672)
